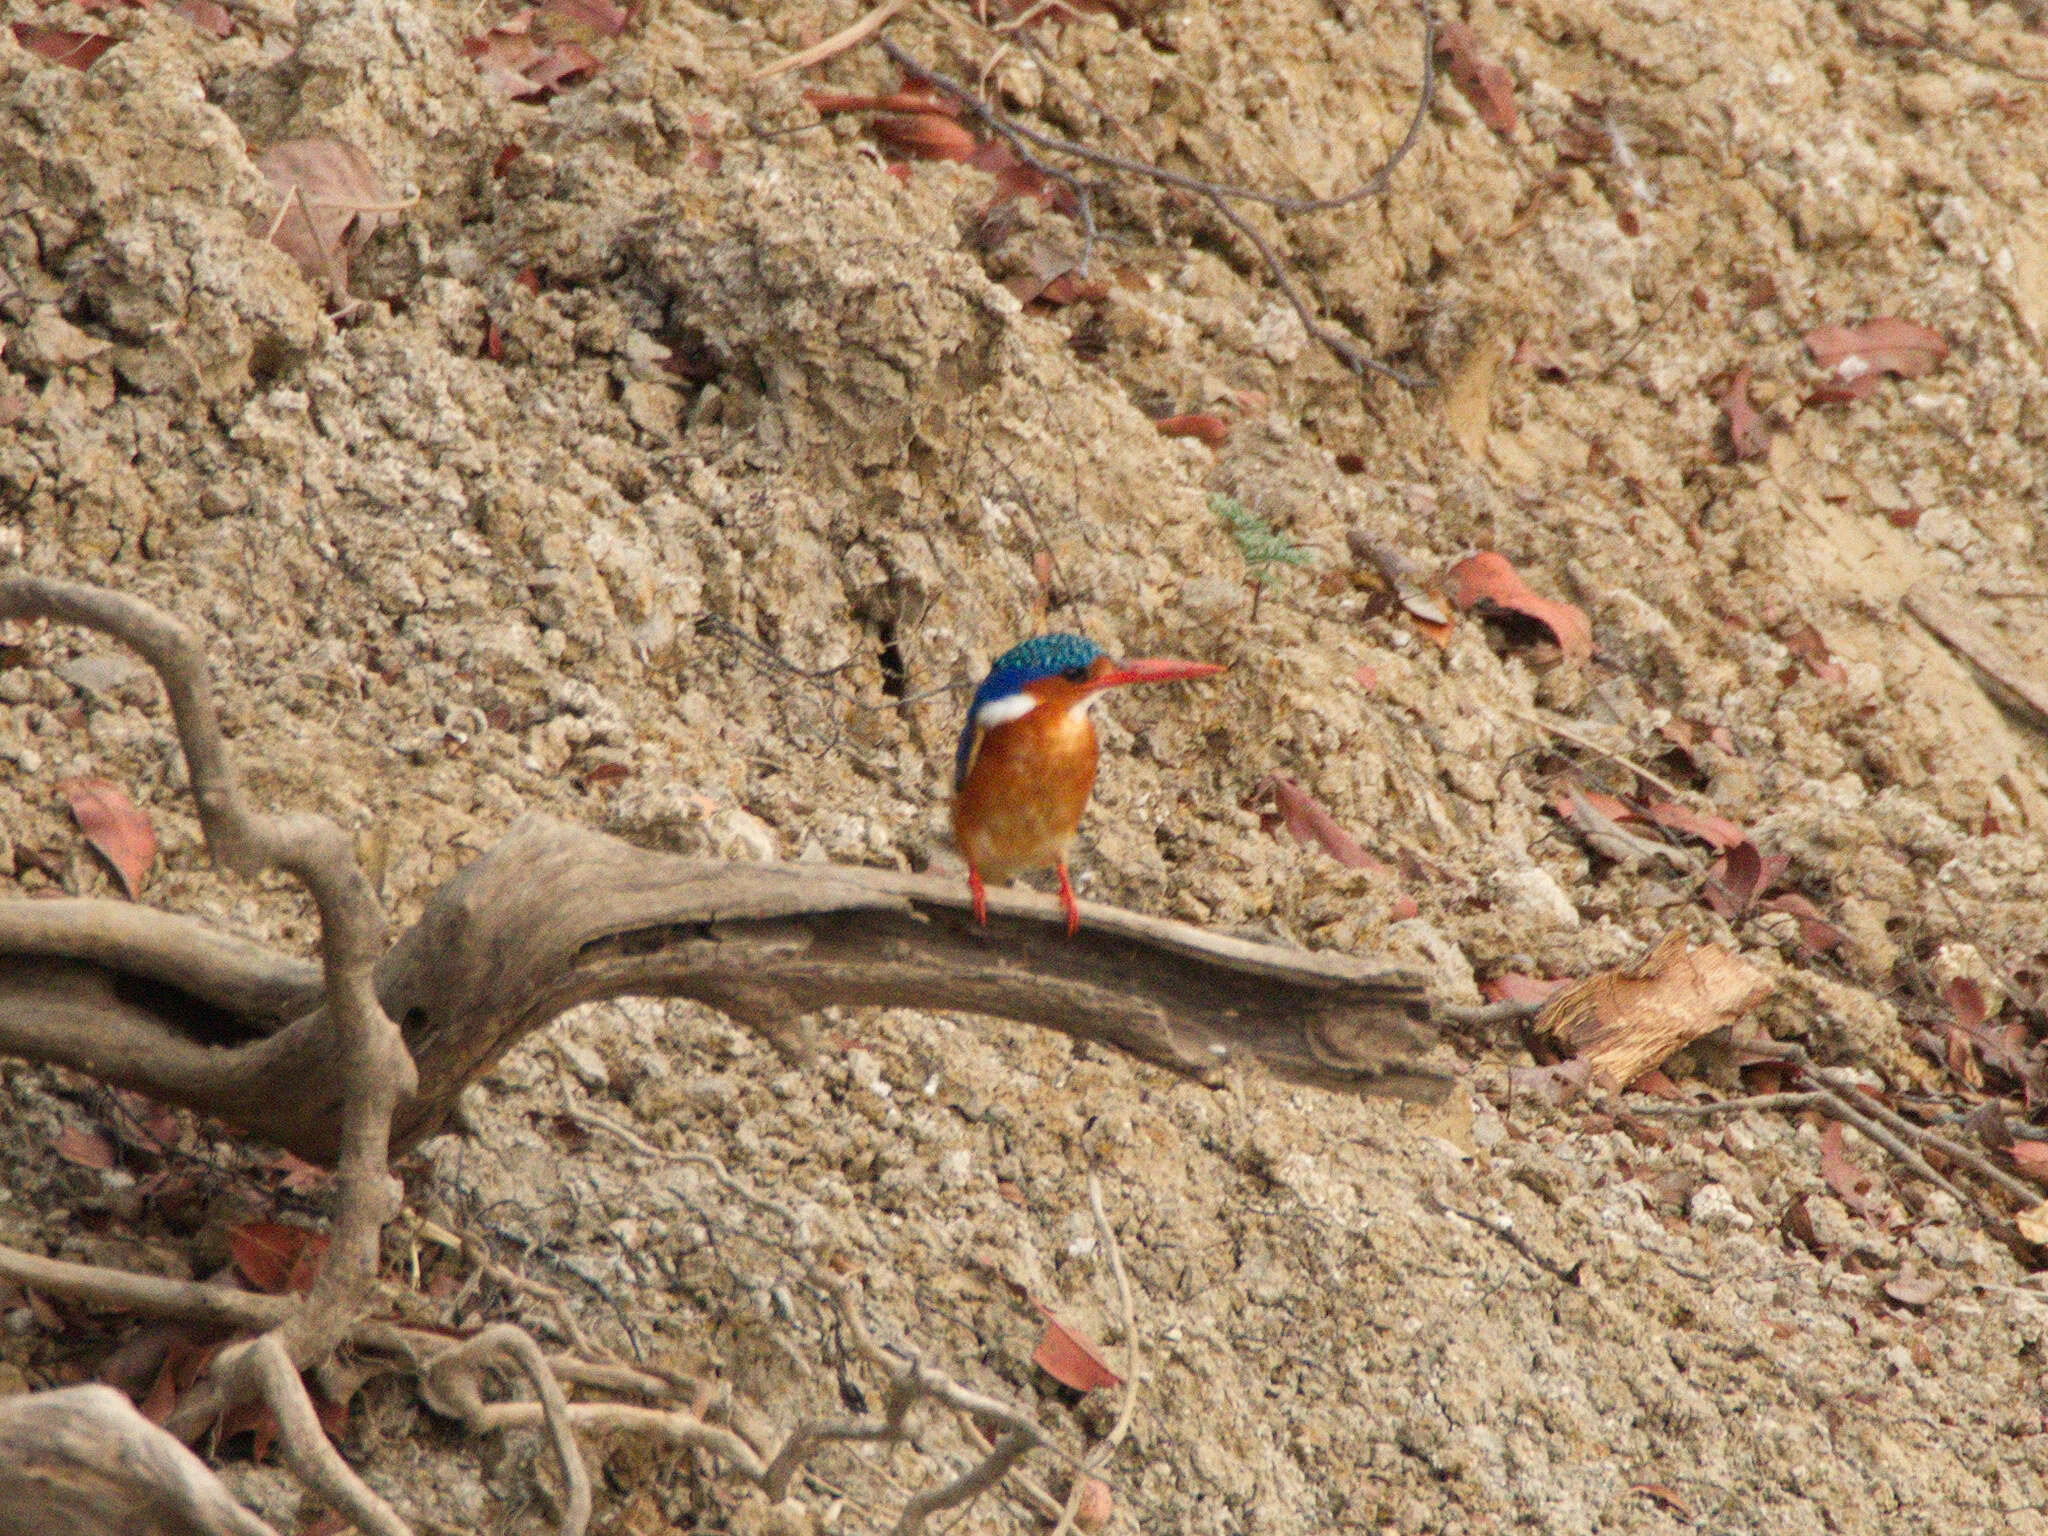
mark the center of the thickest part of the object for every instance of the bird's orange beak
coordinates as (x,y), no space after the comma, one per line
(1154,669)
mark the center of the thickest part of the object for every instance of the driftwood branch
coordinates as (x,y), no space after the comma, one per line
(555,916)
(83,1462)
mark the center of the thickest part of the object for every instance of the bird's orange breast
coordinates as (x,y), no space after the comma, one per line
(1025,790)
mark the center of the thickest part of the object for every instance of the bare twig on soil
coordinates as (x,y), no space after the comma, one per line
(845,38)
(450,1384)
(1220,195)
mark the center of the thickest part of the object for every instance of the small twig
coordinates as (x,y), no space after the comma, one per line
(1219,194)
(1504,1229)
(272,1374)
(1016,136)
(1101,1455)
(451,1377)
(1372,185)
(1566,733)
(1759,1101)
(845,38)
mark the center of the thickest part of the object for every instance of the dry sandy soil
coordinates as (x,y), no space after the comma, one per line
(696,443)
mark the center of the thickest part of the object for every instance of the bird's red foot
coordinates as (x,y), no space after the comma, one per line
(979,892)
(1071,906)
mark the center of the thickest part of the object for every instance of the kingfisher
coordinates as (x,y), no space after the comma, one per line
(1026,762)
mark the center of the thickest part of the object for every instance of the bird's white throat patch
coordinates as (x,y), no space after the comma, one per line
(1012,706)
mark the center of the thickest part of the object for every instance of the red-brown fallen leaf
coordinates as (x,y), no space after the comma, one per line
(1303,815)
(1885,345)
(88,1149)
(503,55)
(564,63)
(330,203)
(1482,81)
(1513,987)
(1665,1496)
(2030,1157)
(1203,428)
(1816,934)
(925,136)
(1714,831)
(275,1257)
(1853,1186)
(295,1174)
(1748,433)
(76,49)
(1965,1001)
(116,829)
(1658,1086)
(1488,578)
(1069,1358)
(606,773)
(1741,875)
(207,16)
(1805,642)
(1350,463)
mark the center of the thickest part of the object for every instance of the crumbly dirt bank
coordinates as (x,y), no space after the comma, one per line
(673,474)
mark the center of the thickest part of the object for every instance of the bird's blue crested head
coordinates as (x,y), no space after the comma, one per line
(1040,656)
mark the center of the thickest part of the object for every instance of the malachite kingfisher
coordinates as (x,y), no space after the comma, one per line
(1026,762)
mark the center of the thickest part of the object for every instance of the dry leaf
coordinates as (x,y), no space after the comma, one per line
(330,203)
(1714,831)
(116,829)
(1884,345)
(88,1149)
(1817,935)
(1513,987)
(1748,433)
(1622,1025)
(1069,1358)
(1303,815)
(926,136)
(1856,1188)
(275,1257)
(76,49)
(2030,1157)
(1488,578)
(1805,642)
(1213,430)
(207,16)
(1482,81)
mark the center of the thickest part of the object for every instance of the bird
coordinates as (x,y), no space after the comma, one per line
(1026,761)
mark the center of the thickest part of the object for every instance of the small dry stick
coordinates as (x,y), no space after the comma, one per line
(1133,1360)
(450,1385)
(836,44)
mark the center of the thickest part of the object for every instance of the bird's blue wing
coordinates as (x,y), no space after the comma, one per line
(963,756)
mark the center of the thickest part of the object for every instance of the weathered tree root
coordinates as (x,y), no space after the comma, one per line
(551,918)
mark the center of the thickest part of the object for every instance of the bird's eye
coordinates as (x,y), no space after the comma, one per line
(1075,674)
